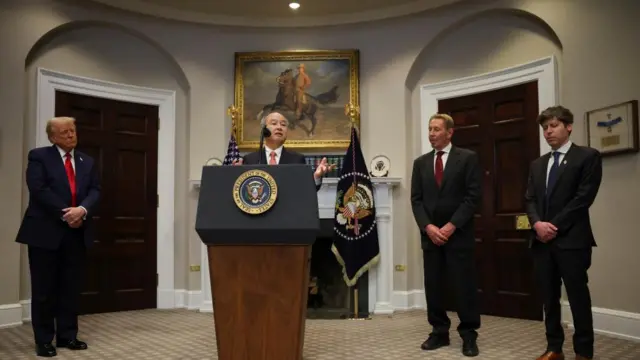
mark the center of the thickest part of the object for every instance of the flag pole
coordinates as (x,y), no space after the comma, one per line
(232,111)
(353,112)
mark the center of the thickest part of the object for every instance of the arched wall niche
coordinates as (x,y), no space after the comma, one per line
(102,59)
(446,58)
(57,32)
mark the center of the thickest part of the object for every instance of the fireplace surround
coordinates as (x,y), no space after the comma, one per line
(380,279)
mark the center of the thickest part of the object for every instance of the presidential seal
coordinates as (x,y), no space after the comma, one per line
(255,192)
(355,210)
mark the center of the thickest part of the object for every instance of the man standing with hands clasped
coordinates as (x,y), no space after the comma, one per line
(562,186)
(64,191)
(445,192)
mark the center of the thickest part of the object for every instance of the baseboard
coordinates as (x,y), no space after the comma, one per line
(190,300)
(10,315)
(26,310)
(408,300)
(614,323)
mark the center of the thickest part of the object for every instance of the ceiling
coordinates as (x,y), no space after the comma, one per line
(276,13)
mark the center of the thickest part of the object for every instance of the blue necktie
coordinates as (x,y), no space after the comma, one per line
(553,173)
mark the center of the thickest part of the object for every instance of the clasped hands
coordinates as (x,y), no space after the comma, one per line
(321,170)
(73,216)
(440,236)
(545,231)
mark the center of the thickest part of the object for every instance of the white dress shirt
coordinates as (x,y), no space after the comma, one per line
(269,151)
(73,164)
(278,152)
(445,156)
(563,151)
(64,159)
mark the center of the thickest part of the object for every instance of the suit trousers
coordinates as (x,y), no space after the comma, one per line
(458,267)
(56,282)
(553,266)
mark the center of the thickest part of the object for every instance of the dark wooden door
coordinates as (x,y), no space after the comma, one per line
(501,127)
(122,138)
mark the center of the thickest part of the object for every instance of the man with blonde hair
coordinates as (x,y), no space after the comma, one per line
(446,188)
(57,228)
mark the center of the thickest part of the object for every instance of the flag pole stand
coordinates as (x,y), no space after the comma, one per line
(356,312)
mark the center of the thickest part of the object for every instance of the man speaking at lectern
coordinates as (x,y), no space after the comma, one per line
(274,150)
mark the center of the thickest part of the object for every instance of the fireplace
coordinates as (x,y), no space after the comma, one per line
(329,297)
(375,287)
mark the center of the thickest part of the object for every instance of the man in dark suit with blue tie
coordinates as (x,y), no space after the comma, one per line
(64,191)
(562,186)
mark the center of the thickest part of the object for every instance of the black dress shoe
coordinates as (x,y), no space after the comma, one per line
(470,348)
(74,344)
(46,350)
(435,342)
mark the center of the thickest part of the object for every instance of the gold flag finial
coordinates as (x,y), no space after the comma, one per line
(232,111)
(352,112)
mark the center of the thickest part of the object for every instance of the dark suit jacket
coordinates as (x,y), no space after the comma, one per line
(455,201)
(576,187)
(49,193)
(286,157)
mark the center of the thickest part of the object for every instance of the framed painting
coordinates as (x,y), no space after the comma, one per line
(613,130)
(310,88)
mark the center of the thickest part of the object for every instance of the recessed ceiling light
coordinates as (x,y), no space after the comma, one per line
(294,5)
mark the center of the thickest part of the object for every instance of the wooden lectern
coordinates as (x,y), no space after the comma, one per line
(258,223)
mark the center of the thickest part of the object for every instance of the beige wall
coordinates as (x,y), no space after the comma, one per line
(597,52)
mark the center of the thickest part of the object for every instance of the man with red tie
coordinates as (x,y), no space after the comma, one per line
(446,188)
(275,152)
(64,191)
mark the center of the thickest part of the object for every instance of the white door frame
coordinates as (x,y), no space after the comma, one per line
(543,70)
(49,81)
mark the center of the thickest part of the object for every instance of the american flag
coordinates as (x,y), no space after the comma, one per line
(232,151)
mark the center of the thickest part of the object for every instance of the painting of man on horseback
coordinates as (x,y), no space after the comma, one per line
(310,93)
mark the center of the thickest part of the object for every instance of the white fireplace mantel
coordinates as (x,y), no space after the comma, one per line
(380,277)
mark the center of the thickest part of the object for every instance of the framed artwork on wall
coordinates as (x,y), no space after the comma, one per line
(613,130)
(310,88)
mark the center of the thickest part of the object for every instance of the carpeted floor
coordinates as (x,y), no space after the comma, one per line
(182,334)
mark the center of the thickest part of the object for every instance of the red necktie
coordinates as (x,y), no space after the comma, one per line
(439,168)
(71,176)
(272,160)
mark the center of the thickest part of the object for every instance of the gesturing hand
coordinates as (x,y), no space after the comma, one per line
(237,162)
(323,168)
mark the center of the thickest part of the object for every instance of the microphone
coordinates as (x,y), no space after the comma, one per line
(265,133)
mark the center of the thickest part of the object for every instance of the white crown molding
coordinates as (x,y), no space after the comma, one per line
(50,81)
(296,20)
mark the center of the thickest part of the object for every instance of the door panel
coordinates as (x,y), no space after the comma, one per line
(501,127)
(123,140)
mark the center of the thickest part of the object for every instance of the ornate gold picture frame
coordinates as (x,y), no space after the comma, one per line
(310,88)
(613,130)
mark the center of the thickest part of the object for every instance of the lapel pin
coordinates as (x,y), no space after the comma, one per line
(83,160)
(564,162)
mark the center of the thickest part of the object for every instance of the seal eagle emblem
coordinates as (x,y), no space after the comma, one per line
(353,206)
(255,192)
